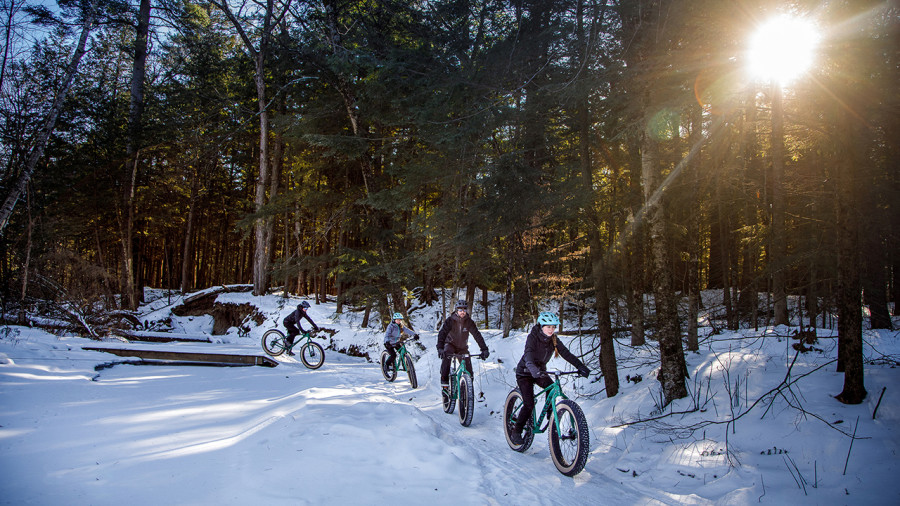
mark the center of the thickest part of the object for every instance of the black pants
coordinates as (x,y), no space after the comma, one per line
(449,349)
(292,332)
(392,352)
(526,386)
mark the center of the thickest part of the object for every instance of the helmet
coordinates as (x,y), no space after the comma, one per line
(397,316)
(303,305)
(462,305)
(548,318)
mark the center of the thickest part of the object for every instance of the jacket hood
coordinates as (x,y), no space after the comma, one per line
(539,333)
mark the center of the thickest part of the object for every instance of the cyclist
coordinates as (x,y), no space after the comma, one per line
(393,336)
(541,345)
(454,338)
(293,326)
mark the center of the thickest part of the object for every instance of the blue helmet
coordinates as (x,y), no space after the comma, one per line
(462,305)
(397,316)
(303,305)
(548,318)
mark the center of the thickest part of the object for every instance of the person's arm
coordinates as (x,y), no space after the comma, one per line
(530,362)
(473,329)
(314,326)
(442,335)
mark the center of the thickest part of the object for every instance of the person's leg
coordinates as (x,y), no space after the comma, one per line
(291,334)
(526,387)
(392,352)
(449,349)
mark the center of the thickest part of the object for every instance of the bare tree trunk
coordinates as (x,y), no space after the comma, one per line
(187,260)
(263,240)
(593,221)
(12,9)
(778,245)
(484,302)
(261,250)
(636,293)
(672,367)
(748,299)
(27,265)
(508,300)
(693,277)
(43,137)
(604,323)
(132,148)
(850,346)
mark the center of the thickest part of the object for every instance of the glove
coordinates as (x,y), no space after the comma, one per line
(415,336)
(485,354)
(542,374)
(584,371)
(440,353)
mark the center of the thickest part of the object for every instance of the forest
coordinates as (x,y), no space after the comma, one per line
(613,156)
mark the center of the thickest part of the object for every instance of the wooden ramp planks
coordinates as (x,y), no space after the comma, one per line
(211,358)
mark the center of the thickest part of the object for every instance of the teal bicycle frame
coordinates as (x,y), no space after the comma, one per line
(569,434)
(461,389)
(399,360)
(458,374)
(552,395)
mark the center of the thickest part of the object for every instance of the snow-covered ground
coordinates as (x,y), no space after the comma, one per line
(73,433)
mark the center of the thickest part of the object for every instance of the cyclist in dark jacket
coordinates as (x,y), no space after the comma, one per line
(293,326)
(454,338)
(540,346)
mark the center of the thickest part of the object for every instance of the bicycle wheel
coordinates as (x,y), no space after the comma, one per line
(387,367)
(466,400)
(570,446)
(448,400)
(312,355)
(273,342)
(411,371)
(511,408)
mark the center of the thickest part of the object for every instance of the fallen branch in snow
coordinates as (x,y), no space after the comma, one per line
(851,446)
(878,403)
(785,384)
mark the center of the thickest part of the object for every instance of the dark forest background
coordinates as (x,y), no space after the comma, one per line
(611,155)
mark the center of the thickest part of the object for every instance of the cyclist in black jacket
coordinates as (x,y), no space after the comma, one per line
(293,326)
(540,346)
(454,338)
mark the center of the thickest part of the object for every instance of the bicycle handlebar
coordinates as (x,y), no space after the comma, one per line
(561,373)
(463,356)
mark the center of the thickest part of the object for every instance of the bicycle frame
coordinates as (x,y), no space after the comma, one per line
(399,362)
(300,340)
(552,395)
(458,372)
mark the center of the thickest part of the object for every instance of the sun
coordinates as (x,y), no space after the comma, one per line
(782,49)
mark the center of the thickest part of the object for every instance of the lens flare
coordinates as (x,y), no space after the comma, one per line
(782,49)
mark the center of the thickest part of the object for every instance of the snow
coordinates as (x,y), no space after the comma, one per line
(174,434)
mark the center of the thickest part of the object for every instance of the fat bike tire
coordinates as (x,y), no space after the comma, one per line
(511,408)
(447,397)
(466,400)
(410,371)
(570,445)
(273,342)
(387,367)
(312,355)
